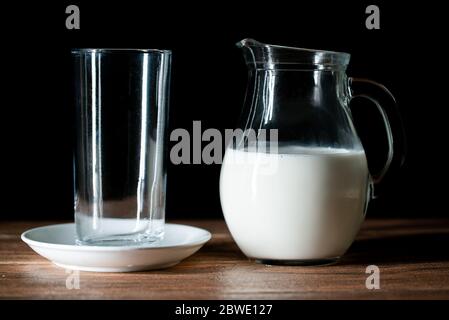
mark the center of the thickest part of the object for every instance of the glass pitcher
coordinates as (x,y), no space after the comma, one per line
(299,194)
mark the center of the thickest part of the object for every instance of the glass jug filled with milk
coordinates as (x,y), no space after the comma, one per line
(294,184)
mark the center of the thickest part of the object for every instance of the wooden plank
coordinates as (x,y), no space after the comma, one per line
(412,255)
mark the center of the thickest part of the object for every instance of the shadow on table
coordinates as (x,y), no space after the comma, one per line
(399,249)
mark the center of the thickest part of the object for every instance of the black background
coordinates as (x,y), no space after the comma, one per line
(208,84)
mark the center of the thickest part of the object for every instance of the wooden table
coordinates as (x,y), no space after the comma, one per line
(412,255)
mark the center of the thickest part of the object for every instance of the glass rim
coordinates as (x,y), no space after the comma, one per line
(118,50)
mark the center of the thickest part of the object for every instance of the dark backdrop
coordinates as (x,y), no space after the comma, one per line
(208,84)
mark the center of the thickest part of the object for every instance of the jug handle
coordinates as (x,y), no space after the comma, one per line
(377,177)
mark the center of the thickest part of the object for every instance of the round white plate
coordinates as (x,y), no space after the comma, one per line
(57,244)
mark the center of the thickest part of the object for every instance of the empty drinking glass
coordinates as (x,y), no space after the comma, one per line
(121,102)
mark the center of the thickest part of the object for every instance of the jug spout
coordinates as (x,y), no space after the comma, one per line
(248,42)
(267,56)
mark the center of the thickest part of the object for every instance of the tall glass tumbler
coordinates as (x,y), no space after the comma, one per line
(122,98)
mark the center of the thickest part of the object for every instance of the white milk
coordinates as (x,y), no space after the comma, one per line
(298,204)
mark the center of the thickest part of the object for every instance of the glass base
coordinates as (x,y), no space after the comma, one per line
(117,232)
(122,240)
(307,262)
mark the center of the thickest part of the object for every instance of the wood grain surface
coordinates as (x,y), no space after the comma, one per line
(413,257)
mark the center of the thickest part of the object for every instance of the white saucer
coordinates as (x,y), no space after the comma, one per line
(57,244)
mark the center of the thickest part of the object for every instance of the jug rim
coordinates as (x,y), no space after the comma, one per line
(273,56)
